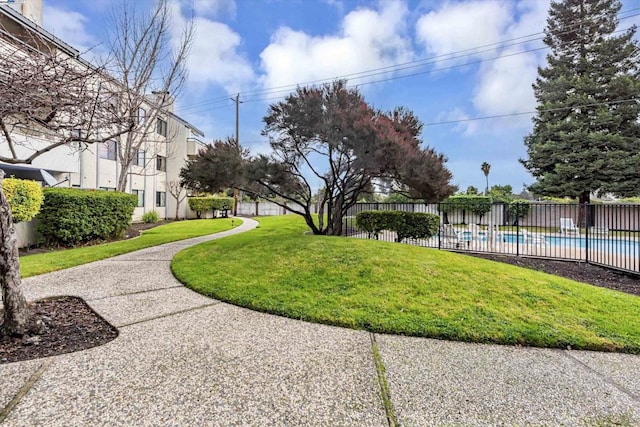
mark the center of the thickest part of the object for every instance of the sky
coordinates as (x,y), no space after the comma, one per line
(453,63)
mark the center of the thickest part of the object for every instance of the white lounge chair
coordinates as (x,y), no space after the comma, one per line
(568,226)
(603,230)
(474,232)
(530,238)
(449,236)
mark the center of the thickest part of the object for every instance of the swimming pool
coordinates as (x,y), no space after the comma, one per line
(617,246)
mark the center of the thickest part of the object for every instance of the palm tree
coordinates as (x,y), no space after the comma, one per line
(486,167)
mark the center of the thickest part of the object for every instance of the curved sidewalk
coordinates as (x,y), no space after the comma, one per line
(186,360)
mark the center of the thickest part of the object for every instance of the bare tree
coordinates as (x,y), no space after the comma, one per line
(151,72)
(176,190)
(54,98)
(50,99)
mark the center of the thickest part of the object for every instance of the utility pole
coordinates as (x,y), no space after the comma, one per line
(235,190)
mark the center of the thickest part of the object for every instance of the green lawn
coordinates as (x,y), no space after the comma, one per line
(401,289)
(32,265)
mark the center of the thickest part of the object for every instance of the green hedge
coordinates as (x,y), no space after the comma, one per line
(413,225)
(203,204)
(200,204)
(70,216)
(24,197)
(519,208)
(478,205)
(222,203)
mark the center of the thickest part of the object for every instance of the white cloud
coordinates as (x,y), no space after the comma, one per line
(462,26)
(503,86)
(70,27)
(212,8)
(215,58)
(465,126)
(368,39)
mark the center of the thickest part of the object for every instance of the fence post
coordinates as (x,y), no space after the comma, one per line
(440,228)
(586,232)
(518,229)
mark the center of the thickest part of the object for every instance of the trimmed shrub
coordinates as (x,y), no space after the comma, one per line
(373,222)
(24,197)
(223,204)
(200,204)
(70,216)
(477,205)
(519,209)
(630,200)
(415,225)
(203,204)
(150,217)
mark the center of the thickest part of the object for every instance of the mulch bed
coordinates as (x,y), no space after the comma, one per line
(70,325)
(578,271)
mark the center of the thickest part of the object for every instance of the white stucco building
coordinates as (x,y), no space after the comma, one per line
(96,167)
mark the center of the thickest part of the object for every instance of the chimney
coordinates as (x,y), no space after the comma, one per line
(30,9)
(168,100)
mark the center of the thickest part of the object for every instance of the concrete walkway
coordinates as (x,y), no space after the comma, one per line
(182,359)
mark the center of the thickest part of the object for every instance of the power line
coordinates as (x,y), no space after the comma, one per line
(542,110)
(407,65)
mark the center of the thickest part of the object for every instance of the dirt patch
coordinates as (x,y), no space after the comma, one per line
(70,325)
(578,271)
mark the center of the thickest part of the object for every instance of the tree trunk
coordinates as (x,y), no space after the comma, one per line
(582,214)
(334,226)
(123,179)
(16,313)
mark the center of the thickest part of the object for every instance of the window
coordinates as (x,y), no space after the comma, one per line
(161,199)
(107,188)
(140,195)
(161,127)
(139,160)
(107,150)
(161,164)
(142,115)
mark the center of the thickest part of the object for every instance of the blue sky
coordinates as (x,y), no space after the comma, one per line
(463,60)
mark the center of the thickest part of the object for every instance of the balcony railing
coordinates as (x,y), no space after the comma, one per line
(193,146)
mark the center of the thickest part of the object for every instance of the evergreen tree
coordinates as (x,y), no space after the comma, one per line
(585,134)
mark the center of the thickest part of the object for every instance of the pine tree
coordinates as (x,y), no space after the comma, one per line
(585,134)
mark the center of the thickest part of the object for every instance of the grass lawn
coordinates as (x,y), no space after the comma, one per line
(32,265)
(401,289)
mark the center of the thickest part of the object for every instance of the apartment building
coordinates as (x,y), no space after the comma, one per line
(159,160)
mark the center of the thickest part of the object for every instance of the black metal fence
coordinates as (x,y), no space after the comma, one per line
(602,234)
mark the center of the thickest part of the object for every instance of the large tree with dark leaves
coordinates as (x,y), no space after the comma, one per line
(216,167)
(585,135)
(330,135)
(327,137)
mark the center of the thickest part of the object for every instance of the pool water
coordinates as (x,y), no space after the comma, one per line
(618,246)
